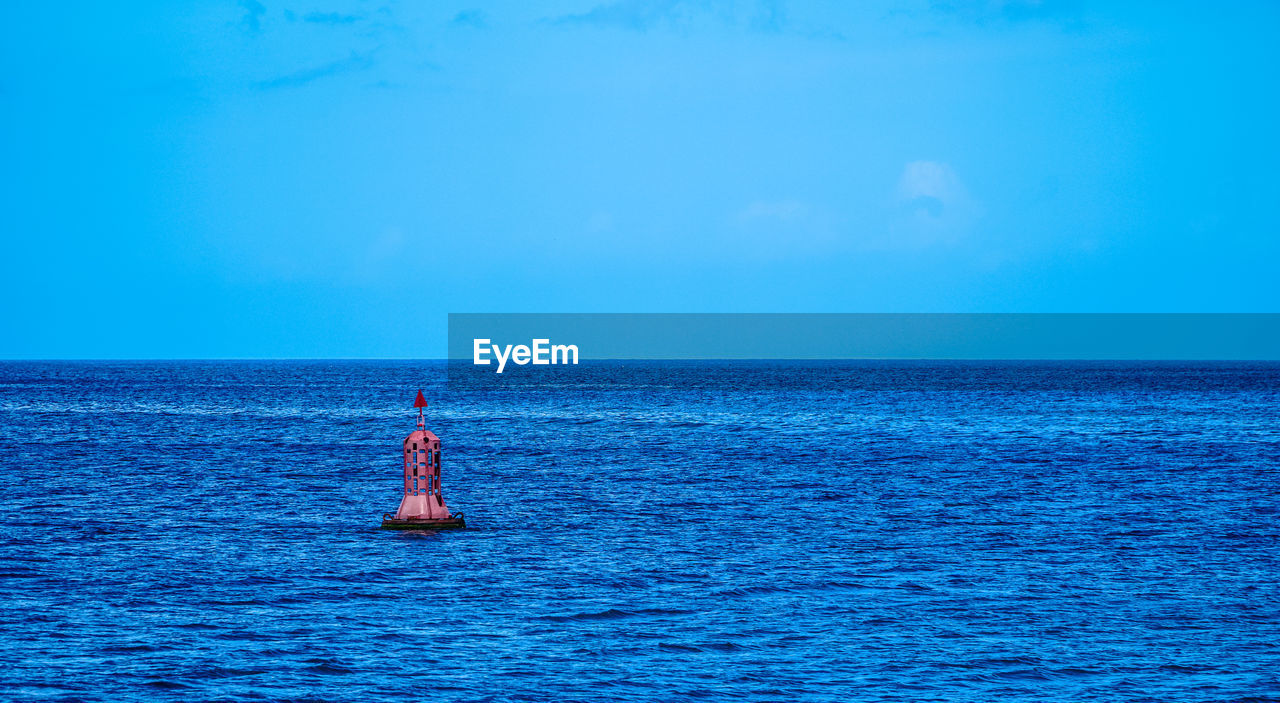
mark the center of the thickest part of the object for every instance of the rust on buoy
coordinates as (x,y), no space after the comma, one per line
(422,507)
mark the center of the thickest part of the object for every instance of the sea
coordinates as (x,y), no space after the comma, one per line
(643,531)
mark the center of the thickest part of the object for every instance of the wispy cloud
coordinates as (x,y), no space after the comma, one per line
(470,18)
(769,17)
(933,203)
(1008,11)
(354,62)
(330,18)
(637,15)
(774,229)
(929,181)
(643,15)
(253,12)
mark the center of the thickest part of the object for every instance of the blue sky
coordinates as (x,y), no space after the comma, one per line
(268,179)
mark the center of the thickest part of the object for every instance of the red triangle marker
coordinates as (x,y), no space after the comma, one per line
(420,402)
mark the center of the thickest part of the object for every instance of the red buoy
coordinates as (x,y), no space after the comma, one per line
(422,506)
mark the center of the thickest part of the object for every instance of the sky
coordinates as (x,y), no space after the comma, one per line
(262,179)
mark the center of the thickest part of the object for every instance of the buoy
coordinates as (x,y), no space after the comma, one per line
(422,506)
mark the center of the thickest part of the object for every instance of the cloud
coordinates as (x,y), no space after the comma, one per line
(780,229)
(1010,11)
(475,19)
(643,15)
(253,12)
(637,15)
(929,180)
(770,18)
(932,203)
(330,18)
(354,62)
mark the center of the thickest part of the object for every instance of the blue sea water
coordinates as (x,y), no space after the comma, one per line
(758,531)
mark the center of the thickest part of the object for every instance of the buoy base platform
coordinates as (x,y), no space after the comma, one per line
(452,523)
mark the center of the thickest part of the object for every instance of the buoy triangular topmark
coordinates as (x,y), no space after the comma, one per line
(420,402)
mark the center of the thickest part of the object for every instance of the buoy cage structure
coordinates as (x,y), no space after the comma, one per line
(422,507)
